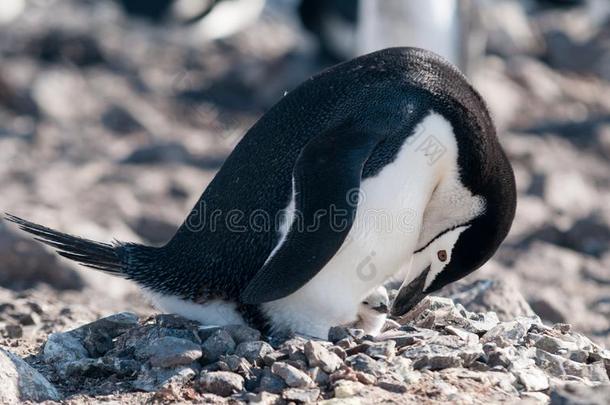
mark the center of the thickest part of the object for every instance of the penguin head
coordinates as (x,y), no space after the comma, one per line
(376,303)
(459,250)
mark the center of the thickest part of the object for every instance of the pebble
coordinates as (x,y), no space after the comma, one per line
(253,351)
(301,395)
(319,356)
(221,383)
(218,344)
(292,376)
(170,351)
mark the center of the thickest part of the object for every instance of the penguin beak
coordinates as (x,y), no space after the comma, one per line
(381,308)
(410,295)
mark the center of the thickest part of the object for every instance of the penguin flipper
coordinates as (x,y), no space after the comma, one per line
(327,178)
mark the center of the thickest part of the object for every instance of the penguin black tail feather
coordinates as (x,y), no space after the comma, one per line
(110,258)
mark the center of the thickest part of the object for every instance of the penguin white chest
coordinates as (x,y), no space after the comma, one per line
(386,230)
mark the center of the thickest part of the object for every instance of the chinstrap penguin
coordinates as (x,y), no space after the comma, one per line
(383,165)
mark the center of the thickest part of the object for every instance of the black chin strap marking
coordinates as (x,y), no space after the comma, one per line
(441,234)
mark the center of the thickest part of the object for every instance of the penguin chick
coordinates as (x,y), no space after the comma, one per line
(373,311)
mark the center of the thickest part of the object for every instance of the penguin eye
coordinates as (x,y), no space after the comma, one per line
(365,302)
(442,255)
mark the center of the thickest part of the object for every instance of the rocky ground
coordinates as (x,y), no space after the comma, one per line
(111,128)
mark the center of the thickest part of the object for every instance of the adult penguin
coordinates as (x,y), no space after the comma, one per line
(383,163)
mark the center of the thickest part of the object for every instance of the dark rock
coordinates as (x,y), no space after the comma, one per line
(100,368)
(337,333)
(205,331)
(362,362)
(253,351)
(173,321)
(13,331)
(235,364)
(221,383)
(218,344)
(60,46)
(269,382)
(97,337)
(277,355)
(159,153)
(392,386)
(120,121)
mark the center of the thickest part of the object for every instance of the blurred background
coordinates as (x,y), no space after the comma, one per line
(114,116)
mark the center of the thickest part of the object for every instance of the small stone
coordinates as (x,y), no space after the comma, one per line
(468,337)
(319,356)
(173,321)
(206,331)
(253,351)
(362,362)
(19,382)
(366,378)
(221,383)
(532,379)
(13,331)
(356,333)
(319,376)
(235,364)
(169,351)
(218,344)
(97,337)
(100,368)
(269,382)
(579,394)
(382,350)
(152,379)
(274,356)
(406,337)
(243,333)
(263,398)
(337,333)
(505,333)
(61,348)
(347,389)
(29,319)
(392,386)
(301,395)
(292,376)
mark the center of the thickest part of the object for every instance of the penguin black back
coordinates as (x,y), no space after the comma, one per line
(231,231)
